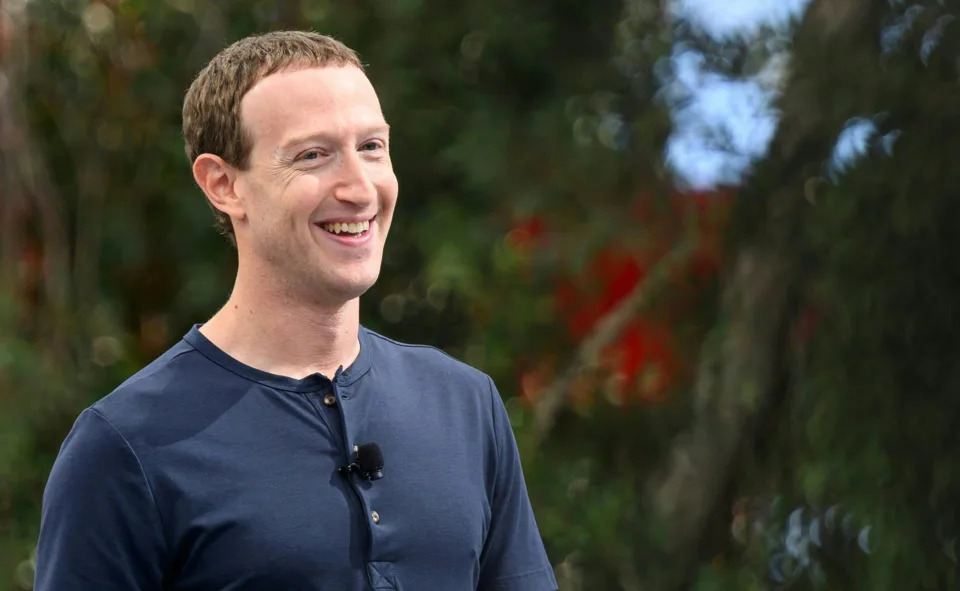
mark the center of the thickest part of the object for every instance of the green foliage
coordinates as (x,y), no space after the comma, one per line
(869,429)
(505,113)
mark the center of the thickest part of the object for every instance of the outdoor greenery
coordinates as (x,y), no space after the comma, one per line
(747,387)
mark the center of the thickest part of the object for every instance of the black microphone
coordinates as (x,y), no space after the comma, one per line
(368,462)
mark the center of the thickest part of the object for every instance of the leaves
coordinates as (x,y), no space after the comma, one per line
(529,141)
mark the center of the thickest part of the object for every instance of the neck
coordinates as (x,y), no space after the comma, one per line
(269,328)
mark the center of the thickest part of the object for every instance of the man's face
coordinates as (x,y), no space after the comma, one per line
(319,191)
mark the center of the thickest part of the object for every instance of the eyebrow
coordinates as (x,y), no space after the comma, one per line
(302,139)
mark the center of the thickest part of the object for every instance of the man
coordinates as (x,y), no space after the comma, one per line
(221,465)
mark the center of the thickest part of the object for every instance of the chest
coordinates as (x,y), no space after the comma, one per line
(259,500)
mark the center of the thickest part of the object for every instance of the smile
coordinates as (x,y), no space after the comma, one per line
(348,229)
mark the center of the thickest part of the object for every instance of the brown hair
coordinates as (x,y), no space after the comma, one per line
(211,108)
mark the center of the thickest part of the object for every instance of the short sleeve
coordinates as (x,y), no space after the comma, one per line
(99,524)
(513,557)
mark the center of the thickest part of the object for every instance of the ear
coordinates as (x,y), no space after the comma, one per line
(216,178)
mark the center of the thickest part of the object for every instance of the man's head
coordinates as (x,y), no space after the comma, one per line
(289,144)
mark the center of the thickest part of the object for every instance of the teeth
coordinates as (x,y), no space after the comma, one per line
(347,228)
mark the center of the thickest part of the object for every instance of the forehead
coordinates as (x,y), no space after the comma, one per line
(291,103)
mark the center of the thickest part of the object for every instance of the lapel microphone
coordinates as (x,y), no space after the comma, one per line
(367,462)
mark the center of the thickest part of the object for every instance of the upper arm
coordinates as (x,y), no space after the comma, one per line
(99,527)
(513,557)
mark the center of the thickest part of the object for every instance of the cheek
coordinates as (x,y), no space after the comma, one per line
(388,188)
(299,198)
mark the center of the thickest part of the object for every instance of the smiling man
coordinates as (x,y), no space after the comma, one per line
(249,455)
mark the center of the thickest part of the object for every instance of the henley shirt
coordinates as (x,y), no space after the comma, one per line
(202,473)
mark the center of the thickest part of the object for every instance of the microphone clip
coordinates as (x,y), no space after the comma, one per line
(368,462)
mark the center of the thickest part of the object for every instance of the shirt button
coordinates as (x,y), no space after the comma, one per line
(330,400)
(375,516)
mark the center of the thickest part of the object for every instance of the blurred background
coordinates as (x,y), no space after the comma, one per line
(707,249)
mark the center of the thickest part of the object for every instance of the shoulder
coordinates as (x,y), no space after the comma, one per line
(422,360)
(158,389)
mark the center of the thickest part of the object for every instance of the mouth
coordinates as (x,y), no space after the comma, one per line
(347,229)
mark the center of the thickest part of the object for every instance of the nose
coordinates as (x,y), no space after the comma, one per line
(354,184)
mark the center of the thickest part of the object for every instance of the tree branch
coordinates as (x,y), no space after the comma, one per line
(739,372)
(733,383)
(587,356)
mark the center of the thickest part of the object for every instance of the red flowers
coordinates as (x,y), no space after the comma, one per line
(643,361)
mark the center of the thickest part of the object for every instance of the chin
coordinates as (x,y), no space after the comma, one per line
(349,288)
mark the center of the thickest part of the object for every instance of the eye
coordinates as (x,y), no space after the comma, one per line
(312,154)
(372,145)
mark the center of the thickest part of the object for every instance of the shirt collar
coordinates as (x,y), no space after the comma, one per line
(310,383)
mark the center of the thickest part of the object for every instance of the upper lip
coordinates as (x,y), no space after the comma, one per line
(347,220)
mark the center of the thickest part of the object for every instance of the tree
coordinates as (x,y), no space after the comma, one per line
(750,387)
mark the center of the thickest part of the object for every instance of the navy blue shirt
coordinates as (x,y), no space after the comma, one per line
(200,472)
